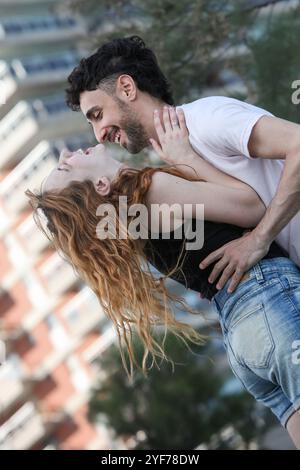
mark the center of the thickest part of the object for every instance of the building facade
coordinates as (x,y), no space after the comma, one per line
(52,326)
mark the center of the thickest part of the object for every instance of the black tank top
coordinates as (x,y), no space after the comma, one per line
(163,255)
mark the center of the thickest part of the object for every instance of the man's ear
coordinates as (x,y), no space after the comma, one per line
(103,186)
(126,88)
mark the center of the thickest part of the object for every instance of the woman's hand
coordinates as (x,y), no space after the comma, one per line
(173,137)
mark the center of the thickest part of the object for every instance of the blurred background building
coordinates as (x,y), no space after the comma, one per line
(51,324)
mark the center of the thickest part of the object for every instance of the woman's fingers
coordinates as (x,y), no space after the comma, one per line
(174,119)
(170,122)
(158,126)
(166,119)
(181,120)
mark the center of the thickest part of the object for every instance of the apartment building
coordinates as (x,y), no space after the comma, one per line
(52,326)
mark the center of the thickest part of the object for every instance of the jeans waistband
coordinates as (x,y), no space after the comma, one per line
(260,272)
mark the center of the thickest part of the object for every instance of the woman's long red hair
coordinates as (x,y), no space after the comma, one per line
(115,269)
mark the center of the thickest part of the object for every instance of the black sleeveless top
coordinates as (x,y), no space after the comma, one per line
(163,254)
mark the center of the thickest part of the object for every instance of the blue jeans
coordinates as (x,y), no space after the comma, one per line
(261,328)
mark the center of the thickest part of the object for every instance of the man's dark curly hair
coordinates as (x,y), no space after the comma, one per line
(120,56)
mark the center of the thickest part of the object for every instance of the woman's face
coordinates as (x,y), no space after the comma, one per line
(95,164)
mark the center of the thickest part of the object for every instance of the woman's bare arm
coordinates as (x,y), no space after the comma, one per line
(221,203)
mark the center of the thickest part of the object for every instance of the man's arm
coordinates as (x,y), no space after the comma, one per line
(277,138)
(272,137)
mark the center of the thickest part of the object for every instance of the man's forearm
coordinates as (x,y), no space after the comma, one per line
(285,204)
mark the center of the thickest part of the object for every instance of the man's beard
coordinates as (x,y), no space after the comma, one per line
(135,132)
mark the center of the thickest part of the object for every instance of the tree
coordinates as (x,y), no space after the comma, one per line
(274,63)
(175,410)
(189,38)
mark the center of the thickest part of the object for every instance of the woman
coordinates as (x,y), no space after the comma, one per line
(260,320)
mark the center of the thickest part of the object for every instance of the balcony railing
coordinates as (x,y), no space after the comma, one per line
(11,384)
(28,174)
(7,84)
(33,239)
(23,429)
(29,122)
(37,70)
(58,275)
(44,28)
(25,2)
(108,337)
(83,312)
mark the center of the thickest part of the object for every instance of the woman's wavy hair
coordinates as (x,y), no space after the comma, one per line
(117,270)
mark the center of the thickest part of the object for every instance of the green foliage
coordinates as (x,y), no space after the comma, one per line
(176,410)
(275,63)
(189,38)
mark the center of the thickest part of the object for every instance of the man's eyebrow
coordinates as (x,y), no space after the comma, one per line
(91,111)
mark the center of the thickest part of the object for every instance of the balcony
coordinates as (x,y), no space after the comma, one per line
(25,2)
(61,355)
(8,84)
(12,387)
(21,75)
(58,275)
(51,28)
(107,338)
(33,239)
(23,429)
(83,312)
(29,122)
(29,173)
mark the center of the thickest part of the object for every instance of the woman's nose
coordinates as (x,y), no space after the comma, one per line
(64,154)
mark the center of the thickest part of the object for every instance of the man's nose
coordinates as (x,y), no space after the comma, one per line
(101,135)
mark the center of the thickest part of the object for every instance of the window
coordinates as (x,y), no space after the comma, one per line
(6,302)
(12,28)
(38,24)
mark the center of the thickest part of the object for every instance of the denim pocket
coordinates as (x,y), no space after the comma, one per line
(250,337)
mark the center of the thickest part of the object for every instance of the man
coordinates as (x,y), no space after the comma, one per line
(118,89)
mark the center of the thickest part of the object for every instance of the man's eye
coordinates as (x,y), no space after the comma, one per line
(97,116)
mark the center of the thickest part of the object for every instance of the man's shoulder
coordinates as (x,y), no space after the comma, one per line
(213,112)
(203,113)
(206,111)
(210,104)
(207,102)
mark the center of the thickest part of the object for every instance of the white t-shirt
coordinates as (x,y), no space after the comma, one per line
(219,129)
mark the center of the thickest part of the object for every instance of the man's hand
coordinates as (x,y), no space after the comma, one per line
(235,258)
